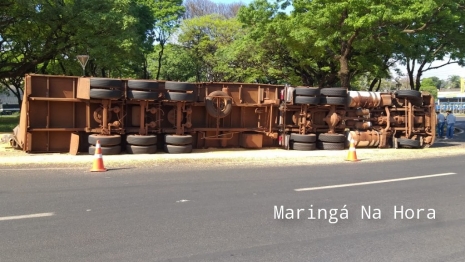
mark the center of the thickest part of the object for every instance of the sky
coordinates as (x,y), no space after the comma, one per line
(445,71)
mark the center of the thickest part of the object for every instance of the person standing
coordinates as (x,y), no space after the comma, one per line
(441,122)
(450,120)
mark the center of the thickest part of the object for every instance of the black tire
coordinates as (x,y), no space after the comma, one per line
(106,150)
(408,94)
(133,149)
(211,104)
(143,85)
(111,140)
(142,95)
(341,101)
(173,96)
(307,138)
(106,83)
(302,146)
(332,138)
(307,91)
(334,91)
(105,93)
(306,100)
(330,146)
(179,86)
(178,140)
(138,140)
(405,142)
(417,101)
(175,149)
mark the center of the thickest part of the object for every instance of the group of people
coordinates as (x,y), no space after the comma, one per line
(448,120)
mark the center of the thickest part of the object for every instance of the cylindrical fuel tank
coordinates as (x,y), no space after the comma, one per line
(365,138)
(367,99)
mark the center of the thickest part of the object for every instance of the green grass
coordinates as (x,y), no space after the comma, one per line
(8,122)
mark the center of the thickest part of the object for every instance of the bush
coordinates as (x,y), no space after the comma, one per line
(8,122)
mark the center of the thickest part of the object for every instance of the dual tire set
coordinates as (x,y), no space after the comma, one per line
(103,88)
(138,144)
(309,142)
(323,96)
(113,89)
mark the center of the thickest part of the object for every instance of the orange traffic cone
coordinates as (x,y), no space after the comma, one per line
(98,160)
(352,156)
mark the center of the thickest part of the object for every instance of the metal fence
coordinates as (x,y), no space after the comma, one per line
(455,107)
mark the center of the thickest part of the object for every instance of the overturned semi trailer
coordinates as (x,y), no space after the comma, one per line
(70,114)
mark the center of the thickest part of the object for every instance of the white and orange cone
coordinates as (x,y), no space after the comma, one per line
(98,160)
(352,155)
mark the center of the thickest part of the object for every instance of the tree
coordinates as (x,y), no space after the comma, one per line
(51,33)
(453,82)
(430,31)
(430,89)
(167,15)
(204,39)
(198,8)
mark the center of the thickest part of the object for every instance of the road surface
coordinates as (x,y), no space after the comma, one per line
(178,213)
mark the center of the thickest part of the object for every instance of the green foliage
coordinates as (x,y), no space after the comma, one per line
(8,122)
(430,89)
(453,81)
(320,43)
(432,81)
(207,41)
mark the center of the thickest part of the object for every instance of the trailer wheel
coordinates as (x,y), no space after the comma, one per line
(330,146)
(307,138)
(304,100)
(302,146)
(224,102)
(175,149)
(307,91)
(111,140)
(106,150)
(342,101)
(106,83)
(139,140)
(334,91)
(332,138)
(142,95)
(408,93)
(133,149)
(178,140)
(175,96)
(405,142)
(179,86)
(98,93)
(143,85)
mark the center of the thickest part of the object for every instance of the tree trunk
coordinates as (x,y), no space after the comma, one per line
(373,83)
(410,72)
(344,76)
(160,56)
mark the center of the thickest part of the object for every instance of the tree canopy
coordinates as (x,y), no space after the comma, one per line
(317,43)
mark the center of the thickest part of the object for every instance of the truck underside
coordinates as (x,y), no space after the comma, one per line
(69,114)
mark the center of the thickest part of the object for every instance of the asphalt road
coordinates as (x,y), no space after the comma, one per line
(174,213)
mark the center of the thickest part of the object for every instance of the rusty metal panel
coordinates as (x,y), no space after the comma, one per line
(38,114)
(83,88)
(61,114)
(251,140)
(74,144)
(50,141)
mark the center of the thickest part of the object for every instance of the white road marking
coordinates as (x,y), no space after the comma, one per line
(373,182)
(182,201)
(27,216)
